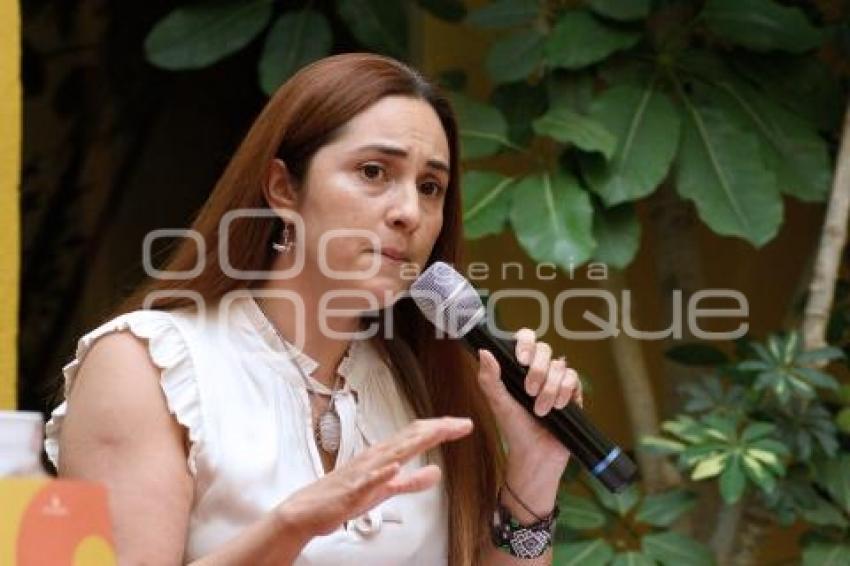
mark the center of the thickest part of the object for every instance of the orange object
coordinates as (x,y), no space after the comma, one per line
(45,522)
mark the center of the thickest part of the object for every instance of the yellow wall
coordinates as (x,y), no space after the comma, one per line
(10,151)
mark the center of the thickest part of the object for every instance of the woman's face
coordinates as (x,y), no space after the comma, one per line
(373,200)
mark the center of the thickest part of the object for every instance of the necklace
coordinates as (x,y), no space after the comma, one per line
(327,429)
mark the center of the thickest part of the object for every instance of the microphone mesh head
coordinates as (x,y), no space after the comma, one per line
(447,299)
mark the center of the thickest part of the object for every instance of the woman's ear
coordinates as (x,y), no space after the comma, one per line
(279,189)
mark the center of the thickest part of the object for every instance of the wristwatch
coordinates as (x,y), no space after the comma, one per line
(521,541)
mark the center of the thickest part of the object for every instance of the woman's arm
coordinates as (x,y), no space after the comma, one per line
(536,482)
(118,432)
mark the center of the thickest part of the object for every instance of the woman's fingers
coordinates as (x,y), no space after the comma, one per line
(570,388)
(538,371)
(420,436)
(423,478)
(551,387)
(525,340)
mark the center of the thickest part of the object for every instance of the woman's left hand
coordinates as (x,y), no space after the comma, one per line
(552,382)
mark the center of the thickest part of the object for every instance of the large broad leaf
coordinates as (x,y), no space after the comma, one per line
(578,39)
(570,90)
(553,219)
(596,552)
(579,513)
(199,34)
(673,549)
(520,102)
(505,13)
(377,24)
(567,126)
(624,10)
(486,202)
(449,10)
(632,559)
(824,553)
(804,84)
(662,509)
(761,25)
(792,147)
(647,128)
(483,129)
(617,234)
(296,39)
(720,169)
(516,56)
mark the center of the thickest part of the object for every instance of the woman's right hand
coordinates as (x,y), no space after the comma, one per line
(369,478)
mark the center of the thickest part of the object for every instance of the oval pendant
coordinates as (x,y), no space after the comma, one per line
(329,431)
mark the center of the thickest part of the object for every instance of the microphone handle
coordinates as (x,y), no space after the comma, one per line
(604,460)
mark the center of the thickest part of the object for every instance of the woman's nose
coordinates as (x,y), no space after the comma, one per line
(404,211)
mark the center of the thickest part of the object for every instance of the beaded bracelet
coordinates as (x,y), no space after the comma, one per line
(529,541)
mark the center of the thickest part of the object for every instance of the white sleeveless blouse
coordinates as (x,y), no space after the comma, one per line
(228,380)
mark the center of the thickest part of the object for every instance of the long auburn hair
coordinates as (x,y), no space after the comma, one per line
(437,377)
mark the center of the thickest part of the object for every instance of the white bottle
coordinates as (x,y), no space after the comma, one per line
(21,436)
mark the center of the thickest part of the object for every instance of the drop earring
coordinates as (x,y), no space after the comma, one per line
(288,241)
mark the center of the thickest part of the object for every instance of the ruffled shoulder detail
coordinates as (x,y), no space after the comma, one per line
(168,351)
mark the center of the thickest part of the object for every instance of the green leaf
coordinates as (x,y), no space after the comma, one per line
(566,126)
(834,476)
(516,56)
(597,552)
(521,103)
(483,129)
(377,24)
(758,473)
(662,509)
(734,193)
(673,549)
(486,202)
(823,553)
(632,559)
(817,378)
(579,513)
(448,10)
(570,90)
(200,34)
(553,219)
(578,40)
(295,40)
(761,25)
(617,234)
(842,420)
(659,445)
(624,10)
(696,354)
(620,503)
(792,147)
(732,481)
(505,13)
(757,430)
(709,467)
(647,129)
(820,355)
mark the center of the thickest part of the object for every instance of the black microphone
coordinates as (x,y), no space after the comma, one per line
(451,304)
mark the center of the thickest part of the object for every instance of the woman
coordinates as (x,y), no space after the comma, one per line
(241,417)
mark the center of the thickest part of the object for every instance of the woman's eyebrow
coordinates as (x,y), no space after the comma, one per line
(399,152)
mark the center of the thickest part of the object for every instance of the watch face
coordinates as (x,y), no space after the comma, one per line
(529,544)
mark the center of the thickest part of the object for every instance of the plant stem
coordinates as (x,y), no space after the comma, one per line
(833,238)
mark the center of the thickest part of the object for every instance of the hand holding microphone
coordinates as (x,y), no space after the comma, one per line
(450,302)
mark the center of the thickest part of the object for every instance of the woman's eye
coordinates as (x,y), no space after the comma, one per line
(432,189)
(372,171)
